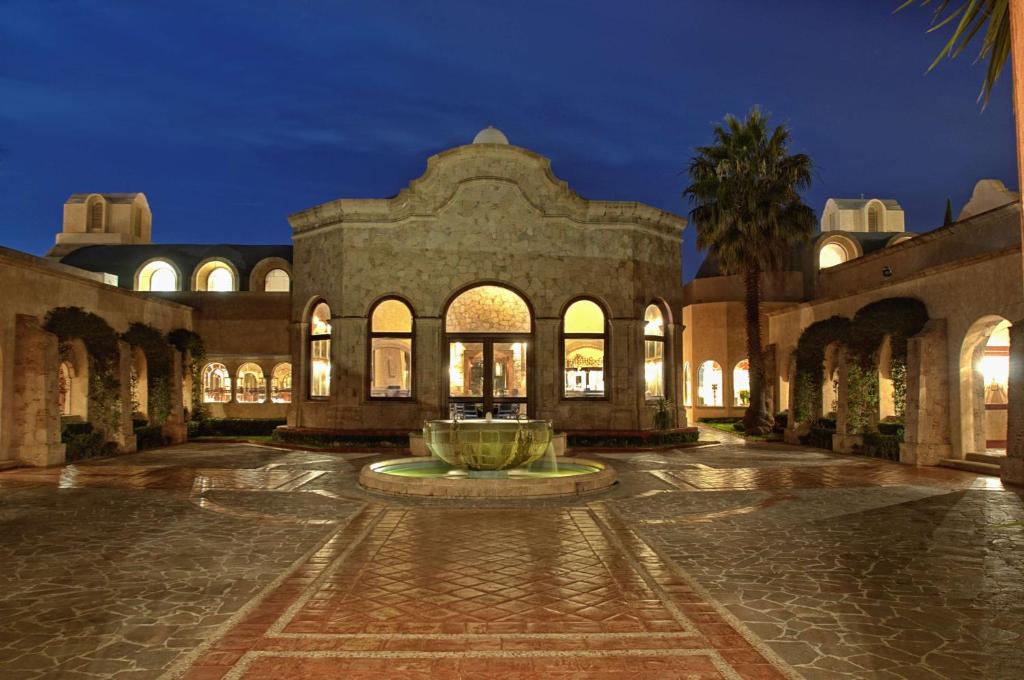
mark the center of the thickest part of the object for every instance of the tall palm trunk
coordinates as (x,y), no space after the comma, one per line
(755,420)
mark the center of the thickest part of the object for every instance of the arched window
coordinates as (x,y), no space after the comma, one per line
(95,216)
(584,334)
(281,384)
(709,385)
(654,352)
(741,384)
(391,350)
(215,276)
(158,275)
(251,386)
(687,385)
(320,352)
(830,255)
(277,281)
(216,384)
(64,388)
(873,220)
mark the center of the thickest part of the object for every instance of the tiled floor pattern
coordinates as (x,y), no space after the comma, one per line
(467,593)
(231,561)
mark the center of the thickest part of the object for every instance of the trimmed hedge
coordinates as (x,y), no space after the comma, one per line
(150,437)
(881,446)
(234,427)
(341,439)
(719,420)
(632,440)
(81,441)
(781,420)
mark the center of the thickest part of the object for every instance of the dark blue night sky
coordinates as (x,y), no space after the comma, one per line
(231,114)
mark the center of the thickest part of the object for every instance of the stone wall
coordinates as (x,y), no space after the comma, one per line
(485,214)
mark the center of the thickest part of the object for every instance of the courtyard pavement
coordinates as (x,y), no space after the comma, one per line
(211,561)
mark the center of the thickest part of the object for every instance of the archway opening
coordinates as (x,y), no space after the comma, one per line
(489,330)
(741,384)
(710,385)
(984,375)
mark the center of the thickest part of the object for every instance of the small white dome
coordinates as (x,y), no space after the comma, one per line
(490,135)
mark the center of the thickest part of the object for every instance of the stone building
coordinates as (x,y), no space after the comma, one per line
(489,286)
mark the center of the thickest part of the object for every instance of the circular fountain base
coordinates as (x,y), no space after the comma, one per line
(433,477)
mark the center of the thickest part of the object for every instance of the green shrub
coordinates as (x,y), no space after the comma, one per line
(723,419)
(739,426)
(879,445)
(235,427)
(150,437)
(781,420)
(627,440)
(892,429)
(341,438)
(819,437)
(825,424)
(81,441)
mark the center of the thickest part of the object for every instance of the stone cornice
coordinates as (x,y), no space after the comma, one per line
(452,170)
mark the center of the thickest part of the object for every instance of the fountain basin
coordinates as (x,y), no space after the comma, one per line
(487,444)
(419,476)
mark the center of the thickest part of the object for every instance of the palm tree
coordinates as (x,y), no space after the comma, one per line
(748,212)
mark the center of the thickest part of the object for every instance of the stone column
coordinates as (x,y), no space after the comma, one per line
(300,377)
(123,433)
(674,370)
(430,356)
(547,362)
(35,437)
(1013,465)
(174,427)
(927,416)
(842,440)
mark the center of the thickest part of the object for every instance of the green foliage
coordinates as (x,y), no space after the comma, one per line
(724,419)
(781,421)
(967,18)
(664,414)
(193,351)
(82,441)
(892,429)
(810,360)
(340,439)
(236,427)
(879,445)
(100,340)
(898,374)
(861,398)
(150,437)
(739,426)
(633,440)
(159,363)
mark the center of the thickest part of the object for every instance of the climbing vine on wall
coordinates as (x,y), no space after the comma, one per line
(810,357)
(862,337)
(191,346)
(100,340)
(159,362)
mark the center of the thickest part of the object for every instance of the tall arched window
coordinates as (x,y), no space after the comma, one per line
(251,386)
(216,384)
(281,384)
(64,388)
(320,352)
(741,384)
(390,350)
(687,385)
(277,281)
(584,334)
(216,276)
(873,218)
(654,352)
(95,216)
(158,275)
(709,385)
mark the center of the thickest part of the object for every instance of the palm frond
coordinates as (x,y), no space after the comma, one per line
(971,16)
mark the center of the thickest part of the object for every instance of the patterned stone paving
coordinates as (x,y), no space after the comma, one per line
(244,561)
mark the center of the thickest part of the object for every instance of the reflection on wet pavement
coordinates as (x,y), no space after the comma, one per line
(210,561)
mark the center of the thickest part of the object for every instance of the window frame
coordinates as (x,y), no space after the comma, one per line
(230,379)
(663,339)
(606,337)
(393,335)
(238,383)
(329,337)
(291,383)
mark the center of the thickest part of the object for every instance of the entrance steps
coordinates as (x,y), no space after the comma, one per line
(978,463)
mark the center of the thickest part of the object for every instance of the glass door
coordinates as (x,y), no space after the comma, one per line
(488,375)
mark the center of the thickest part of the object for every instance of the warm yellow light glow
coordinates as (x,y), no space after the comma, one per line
(281,384)
(488,309)
(391,316)
(830,255)
(216,384)
(741,383)
(654,323)
(996,370)
(251,386)
(584,316)
(220,280)
(709,384)
(158,276)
